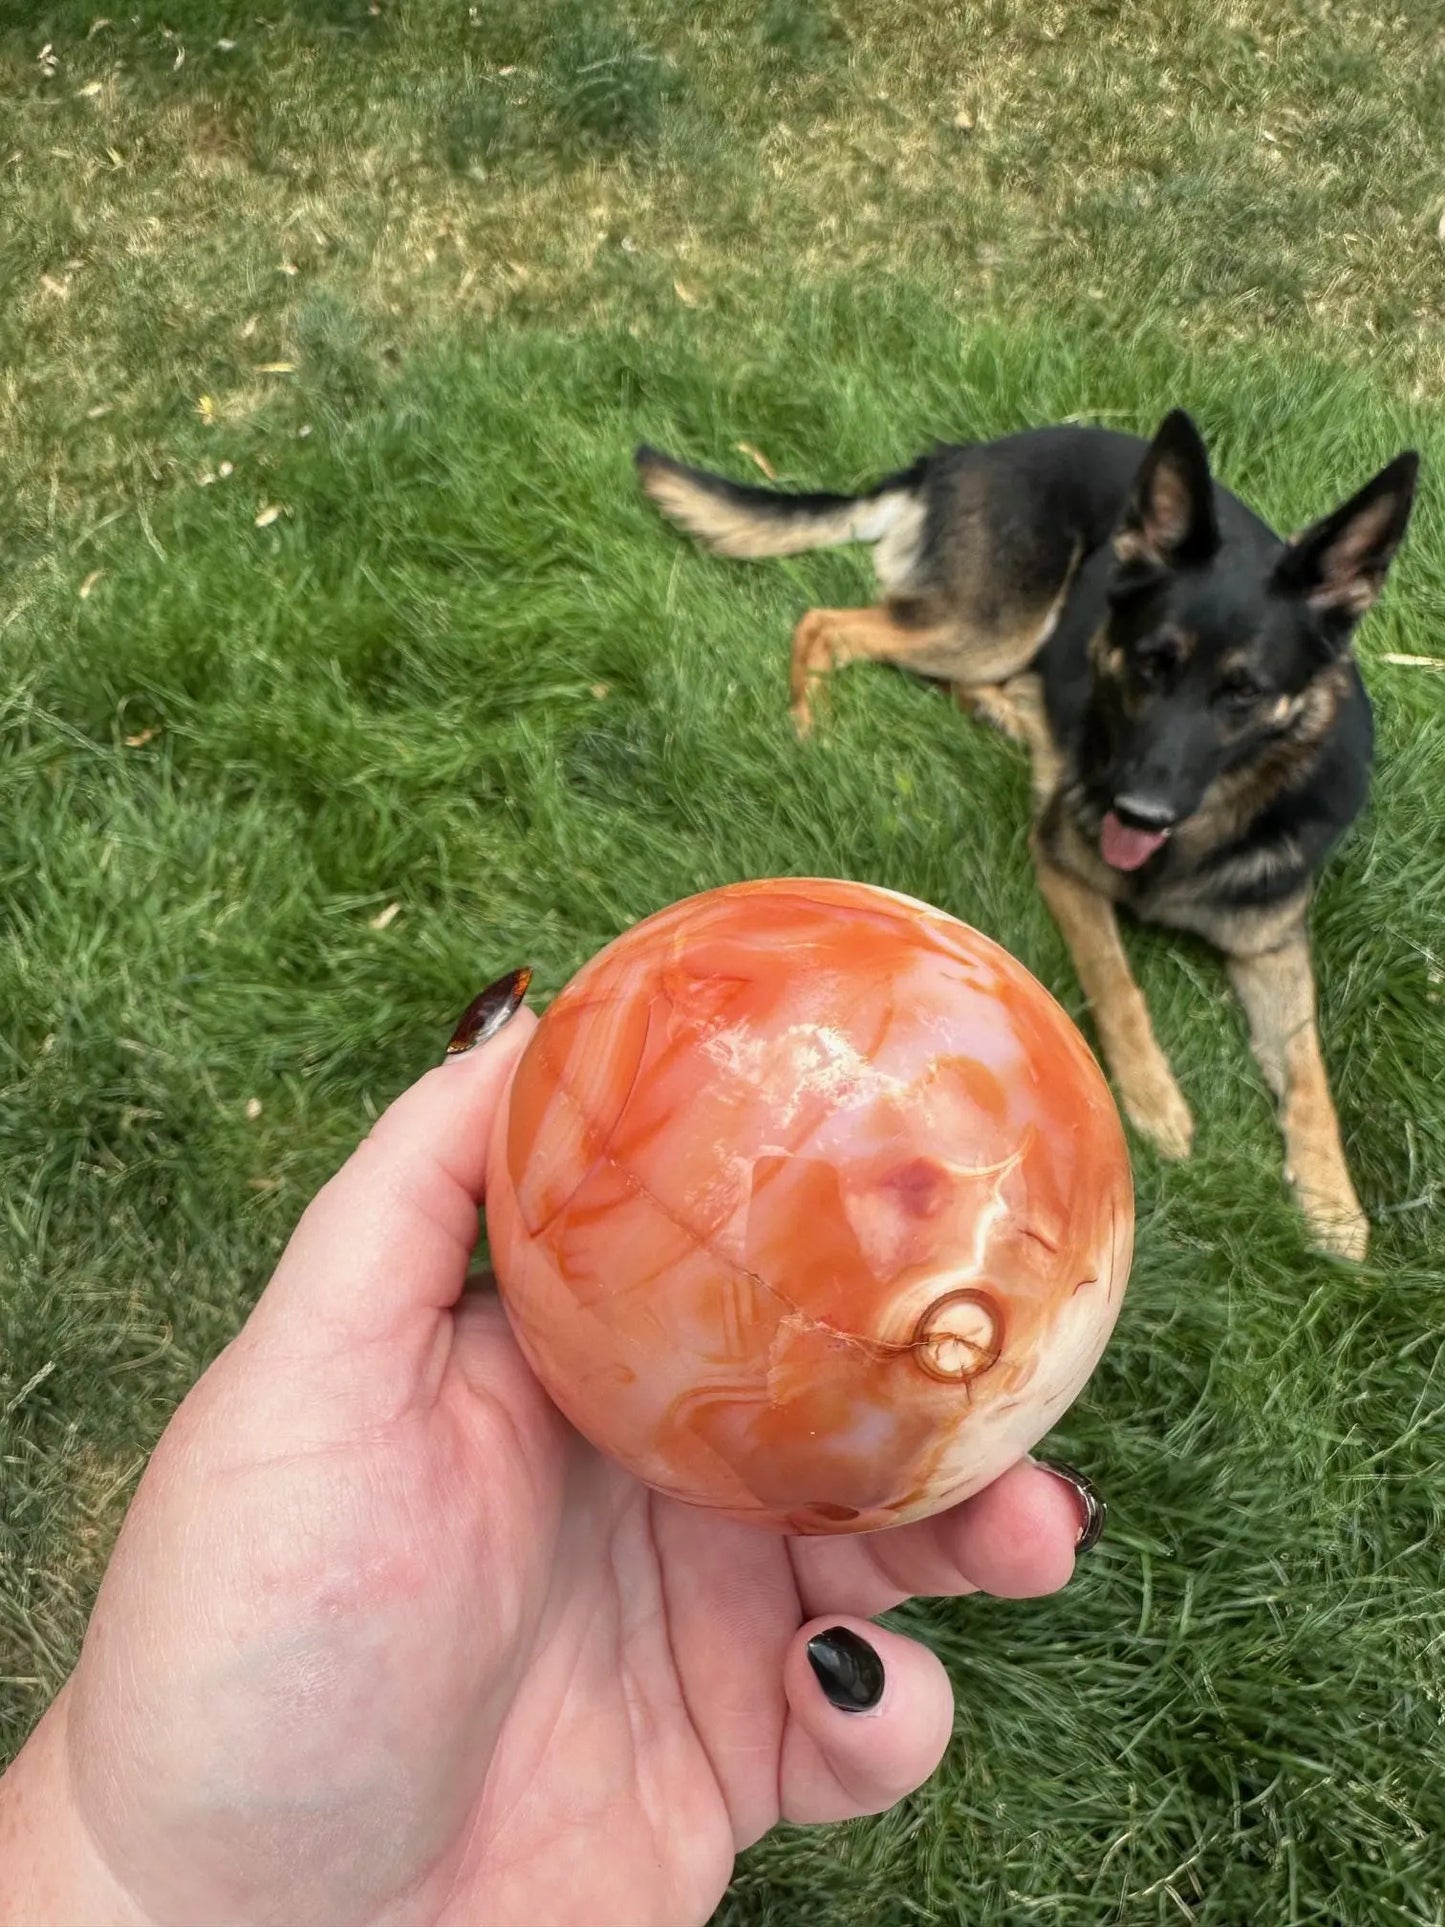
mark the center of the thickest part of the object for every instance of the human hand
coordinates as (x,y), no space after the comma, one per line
(383,1641)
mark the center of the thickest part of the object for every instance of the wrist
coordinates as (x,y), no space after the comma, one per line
(51,1873)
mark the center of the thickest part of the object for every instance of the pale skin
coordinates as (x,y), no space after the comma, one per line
(384,1643)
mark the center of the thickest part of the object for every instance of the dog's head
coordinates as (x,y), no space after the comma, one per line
(1213,640)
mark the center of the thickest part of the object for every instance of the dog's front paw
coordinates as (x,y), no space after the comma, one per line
(1343,1237)
(1156,1106)
(1337,1224)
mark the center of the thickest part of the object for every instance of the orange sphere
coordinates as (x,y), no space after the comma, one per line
(810,1205)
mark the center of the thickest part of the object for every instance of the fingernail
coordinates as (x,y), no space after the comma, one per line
(488,1013)
(847,1668)
(1095,1511)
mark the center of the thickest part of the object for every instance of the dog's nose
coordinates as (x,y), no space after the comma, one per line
(1145,813)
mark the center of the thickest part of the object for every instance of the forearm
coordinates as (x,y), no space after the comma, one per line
(50,1872)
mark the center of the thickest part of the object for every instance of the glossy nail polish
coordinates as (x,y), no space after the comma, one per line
(489,1012)
(1095,1512)
(847,1668)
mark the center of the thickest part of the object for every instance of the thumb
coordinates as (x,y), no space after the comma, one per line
(869,1716)
(390,1237)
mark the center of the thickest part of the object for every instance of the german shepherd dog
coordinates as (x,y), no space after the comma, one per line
(1183,680)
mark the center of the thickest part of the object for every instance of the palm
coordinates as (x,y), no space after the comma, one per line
(635,1755)
(554,1733)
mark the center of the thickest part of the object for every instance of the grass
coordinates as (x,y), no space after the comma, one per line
(351,268)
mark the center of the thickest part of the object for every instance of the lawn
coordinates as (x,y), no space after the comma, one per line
(343,668)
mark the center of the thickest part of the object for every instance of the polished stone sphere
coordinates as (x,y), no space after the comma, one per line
(810,1205)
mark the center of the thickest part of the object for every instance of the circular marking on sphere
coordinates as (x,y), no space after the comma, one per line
(959,1336)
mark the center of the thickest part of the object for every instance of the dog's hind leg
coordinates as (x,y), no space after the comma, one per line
(991,703)
(1090,928)
(1277,990)
(827,638)
(943,645)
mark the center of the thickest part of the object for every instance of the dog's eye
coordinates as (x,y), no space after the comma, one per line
(1154,660)
(1240,690)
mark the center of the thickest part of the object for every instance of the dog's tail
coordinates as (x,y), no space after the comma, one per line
(737,520)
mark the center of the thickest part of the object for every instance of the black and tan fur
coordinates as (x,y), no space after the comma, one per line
(1199,732)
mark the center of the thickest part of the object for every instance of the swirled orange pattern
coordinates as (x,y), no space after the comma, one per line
(810,1205)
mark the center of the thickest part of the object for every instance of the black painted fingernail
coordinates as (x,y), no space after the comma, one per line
(486,1014)
(1096,1513)
(847,1668)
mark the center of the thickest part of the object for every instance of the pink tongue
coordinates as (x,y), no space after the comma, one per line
(1125,849)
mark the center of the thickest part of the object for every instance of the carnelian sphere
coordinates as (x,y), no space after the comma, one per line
(809,1204)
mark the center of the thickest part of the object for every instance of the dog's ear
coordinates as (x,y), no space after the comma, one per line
(1169,520)
(1338,566)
